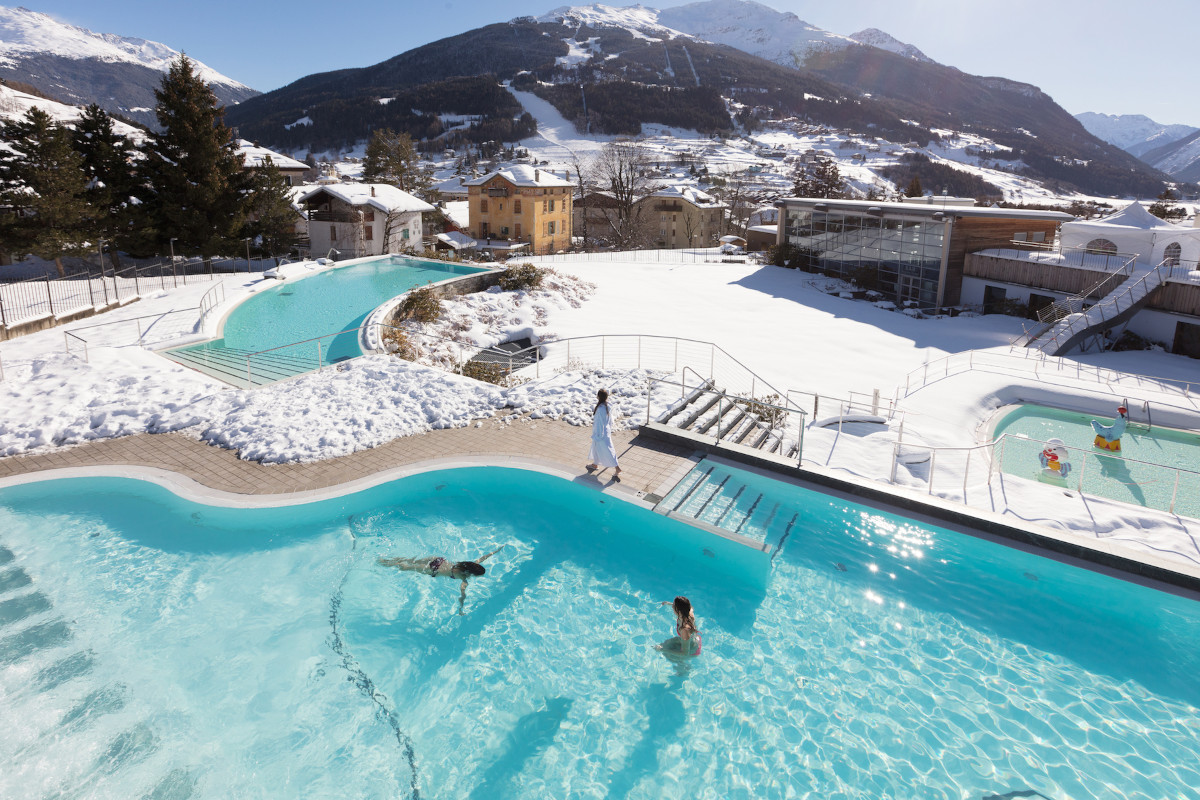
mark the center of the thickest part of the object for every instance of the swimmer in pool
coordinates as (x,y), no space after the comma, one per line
(442,567)
(686,641)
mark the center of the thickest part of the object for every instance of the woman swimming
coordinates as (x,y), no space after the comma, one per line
(442,567)
(687,637)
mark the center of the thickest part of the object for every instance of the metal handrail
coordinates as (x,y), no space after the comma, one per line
(210,301)
(1113,299)
(943,365)
(933,451)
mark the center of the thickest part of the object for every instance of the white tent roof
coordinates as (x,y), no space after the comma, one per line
(1135,215)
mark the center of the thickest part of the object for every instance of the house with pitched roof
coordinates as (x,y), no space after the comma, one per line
(363,219)
(683,216)
(520,205)
(254,156)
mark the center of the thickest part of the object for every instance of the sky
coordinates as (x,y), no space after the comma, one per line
(1089,55)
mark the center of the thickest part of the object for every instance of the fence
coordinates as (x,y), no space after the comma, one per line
(664,256)
(1162,487)
(1040,365)
(96,289)
(149,329)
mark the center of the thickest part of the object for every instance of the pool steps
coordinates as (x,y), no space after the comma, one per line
(701,412)
(716,497)
(96,717)
(229,364)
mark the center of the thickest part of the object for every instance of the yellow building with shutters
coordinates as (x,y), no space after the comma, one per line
(520,204)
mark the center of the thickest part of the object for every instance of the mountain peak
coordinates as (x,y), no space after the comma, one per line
(885,41)
(757,29)
(25,34)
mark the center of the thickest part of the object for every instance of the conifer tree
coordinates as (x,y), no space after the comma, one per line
(108,167)
(42,190)
(274,219)
(822,178)
(392,158)
(195,176)
(914,188)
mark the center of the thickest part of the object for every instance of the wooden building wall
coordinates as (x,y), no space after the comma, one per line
(971,234)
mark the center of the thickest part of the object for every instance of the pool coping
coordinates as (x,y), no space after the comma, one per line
(1175,577)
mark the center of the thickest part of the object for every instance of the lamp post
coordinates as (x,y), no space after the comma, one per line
(247,254)
(171,244)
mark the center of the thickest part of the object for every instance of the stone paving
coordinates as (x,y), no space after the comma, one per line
(646,465)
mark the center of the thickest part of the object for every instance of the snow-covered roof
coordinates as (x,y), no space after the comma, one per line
(457,240)
(459,212)
(523,175)
(253,155)
(452,185)
(377,195)
(689,193)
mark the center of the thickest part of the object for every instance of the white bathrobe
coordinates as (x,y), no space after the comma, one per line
(602,453)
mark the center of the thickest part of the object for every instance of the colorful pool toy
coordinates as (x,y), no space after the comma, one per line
(1108,437)
(1054,460)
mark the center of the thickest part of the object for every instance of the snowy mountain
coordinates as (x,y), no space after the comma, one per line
(885,41)
(14,104)
(1179,159)
(79,66)
(1133,133)
(754,28)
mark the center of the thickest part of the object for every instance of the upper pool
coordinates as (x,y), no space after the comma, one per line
(1154,466)
(154,647)
(299,309)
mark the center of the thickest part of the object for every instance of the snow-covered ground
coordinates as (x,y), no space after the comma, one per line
(780,323)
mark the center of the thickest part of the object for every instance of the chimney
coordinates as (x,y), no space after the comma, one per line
(537,176)
(372,191)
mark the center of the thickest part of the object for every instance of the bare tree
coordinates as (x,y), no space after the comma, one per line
(622,170)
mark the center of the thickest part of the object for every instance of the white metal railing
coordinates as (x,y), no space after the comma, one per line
(211,300)
(1040,365)
(1180,488)
(119,333)
(1107,309)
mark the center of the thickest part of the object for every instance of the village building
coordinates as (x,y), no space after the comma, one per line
(363,219)
(682,216)
(520,207)
(254,156)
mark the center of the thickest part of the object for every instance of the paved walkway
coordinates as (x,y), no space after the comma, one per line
(646,465)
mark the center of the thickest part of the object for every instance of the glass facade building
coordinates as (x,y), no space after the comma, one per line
(901,255)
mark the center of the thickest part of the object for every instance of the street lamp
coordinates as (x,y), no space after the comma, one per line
(247,254)
(171,244)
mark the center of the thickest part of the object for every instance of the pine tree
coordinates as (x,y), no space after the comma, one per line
(821,179)
(195,175)
(274,219)
(42,190)
(108,167)
(392,158)
(914,188)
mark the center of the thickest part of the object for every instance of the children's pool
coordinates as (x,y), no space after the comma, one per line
(154,647)
(299,309)
(1154,467)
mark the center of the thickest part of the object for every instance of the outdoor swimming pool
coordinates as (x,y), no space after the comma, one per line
(299,309)
(1144,472)
(151,646)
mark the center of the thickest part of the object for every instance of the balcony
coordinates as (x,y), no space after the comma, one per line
(334,216)
(501,192)
(668,207)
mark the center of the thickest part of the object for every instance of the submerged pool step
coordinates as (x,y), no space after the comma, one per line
(718,497)
(229,365)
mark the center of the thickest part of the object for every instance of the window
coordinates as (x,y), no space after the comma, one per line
(483,206)
(1171,254)
(543,206)
(1101,246)
(1039,236)
(517,231)
(516,206)
(333,233)
(369,215)
(551,205)
(404,234)
(550,228)
(1020,237)
(501,206)
(368,232)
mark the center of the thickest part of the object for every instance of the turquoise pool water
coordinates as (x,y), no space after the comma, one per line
(1143,472)
(299,309)
(150,646)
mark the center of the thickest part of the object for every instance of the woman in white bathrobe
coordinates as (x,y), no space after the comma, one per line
(603,455)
